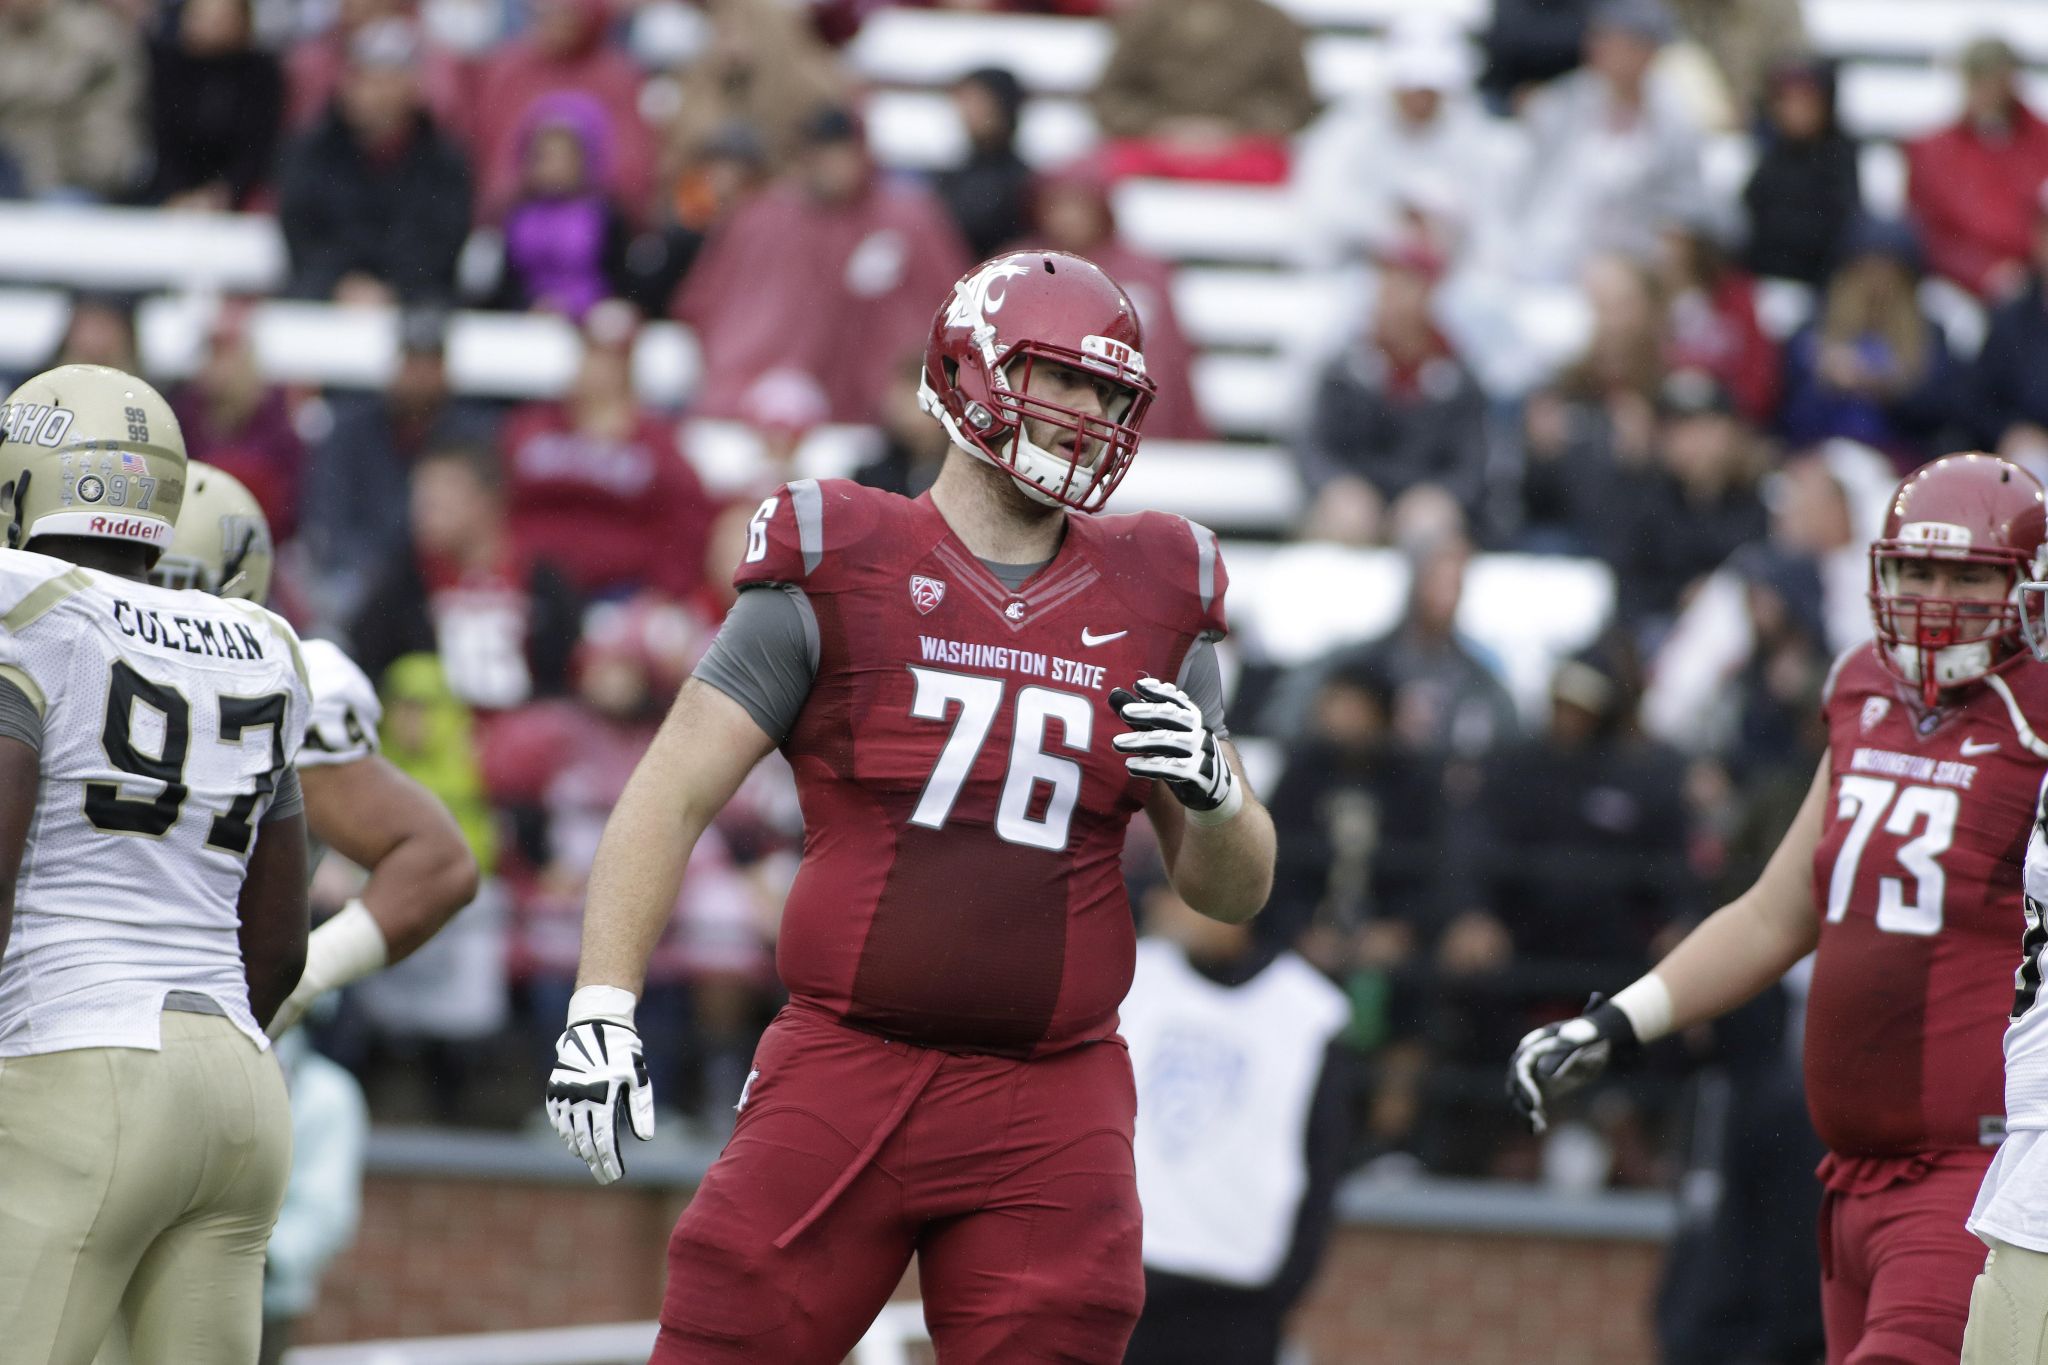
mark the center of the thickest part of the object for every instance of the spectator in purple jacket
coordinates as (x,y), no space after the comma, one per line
(565,240)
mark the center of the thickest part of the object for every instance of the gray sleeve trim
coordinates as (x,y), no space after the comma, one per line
(289,800)
(19,718)
(807,501)
(765,656)
(1201,677)
(1205,562)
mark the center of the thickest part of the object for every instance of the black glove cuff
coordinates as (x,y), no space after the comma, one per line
(1615,1027)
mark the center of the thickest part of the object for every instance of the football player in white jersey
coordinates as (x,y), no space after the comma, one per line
(2009,1302)
(357,802)
(152,897)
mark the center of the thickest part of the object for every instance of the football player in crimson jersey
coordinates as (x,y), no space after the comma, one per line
(1901,869)
(977,689)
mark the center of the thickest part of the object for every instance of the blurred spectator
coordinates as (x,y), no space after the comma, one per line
(1395,409)
(323,1199)
(1744,38)
(316,67)
(355,489)
(1826,506)
(1805,190)
(1203,89)
(374,200)
(1073,213)
(1529,42)
(101,331)
(762,70)
(565,49)
(2009,389)
(565,239)
(216,105)
(1599,416)
(596,486)
(501,625)
(1613,154)
(1585,833)
(782,408)
(1676,520)
(1242,1097)
(1712,320)
(1872,366)
(71,97)
(833,272)
(11,184)
(1419,147)
(989,193)
(235,421)
(913,445)
(561,766)
(1448,697)
(1971,188)
(703,190)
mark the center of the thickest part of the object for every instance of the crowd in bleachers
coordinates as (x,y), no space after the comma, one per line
(1547,320)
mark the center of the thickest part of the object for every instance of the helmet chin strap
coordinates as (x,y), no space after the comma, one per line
(1953,665)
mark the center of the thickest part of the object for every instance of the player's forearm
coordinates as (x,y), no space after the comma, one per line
(418,887)
(634,882)
(1226,871)
(1733,956)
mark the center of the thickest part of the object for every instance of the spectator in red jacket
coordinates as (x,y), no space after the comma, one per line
(235,421)
(595,484)
(1971,187)
(566,49)
(1713,320)
(833,271)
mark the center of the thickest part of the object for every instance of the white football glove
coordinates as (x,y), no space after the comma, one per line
(599,1085)
(1552,1061)
(1170,742)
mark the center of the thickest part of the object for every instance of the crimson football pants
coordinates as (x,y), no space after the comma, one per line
(1011,1181)
(1897,1267)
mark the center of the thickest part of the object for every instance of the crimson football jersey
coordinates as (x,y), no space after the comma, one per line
(1917,881)
(964,811)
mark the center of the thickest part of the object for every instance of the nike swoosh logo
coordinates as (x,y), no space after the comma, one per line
(1971,748)
(1090,638)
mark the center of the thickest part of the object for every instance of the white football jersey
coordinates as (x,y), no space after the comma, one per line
(346,711)
(169,716)
(2012,1204)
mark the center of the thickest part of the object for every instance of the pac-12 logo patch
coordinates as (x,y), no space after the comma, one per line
(1874,710)
(926,593)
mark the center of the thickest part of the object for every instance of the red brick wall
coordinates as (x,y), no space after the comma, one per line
(442,1256)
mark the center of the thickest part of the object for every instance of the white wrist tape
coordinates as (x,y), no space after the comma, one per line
(612,1004)
(348,947)
(1233,802)
(1647,1003)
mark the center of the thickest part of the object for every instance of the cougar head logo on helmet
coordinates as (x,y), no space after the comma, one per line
(93,452)
(1006,321)
(222,543)
(1968,509)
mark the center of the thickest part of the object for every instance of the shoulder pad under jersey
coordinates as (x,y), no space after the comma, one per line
(346,710)
(1165,565)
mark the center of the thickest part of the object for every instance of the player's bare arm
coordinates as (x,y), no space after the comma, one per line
(20,766)
(274,913)
(421,869)
(599,1085)
(704,750)
(1733,956)
(1224,871)
(421,873)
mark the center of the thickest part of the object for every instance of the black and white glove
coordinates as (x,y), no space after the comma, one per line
(1169,741)
(599,1085)
(1552,1061)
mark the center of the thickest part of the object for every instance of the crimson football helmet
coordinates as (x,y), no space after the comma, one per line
(1974,509)
(1009,314)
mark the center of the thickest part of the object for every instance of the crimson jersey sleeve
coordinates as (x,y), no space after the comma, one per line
(808,533)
